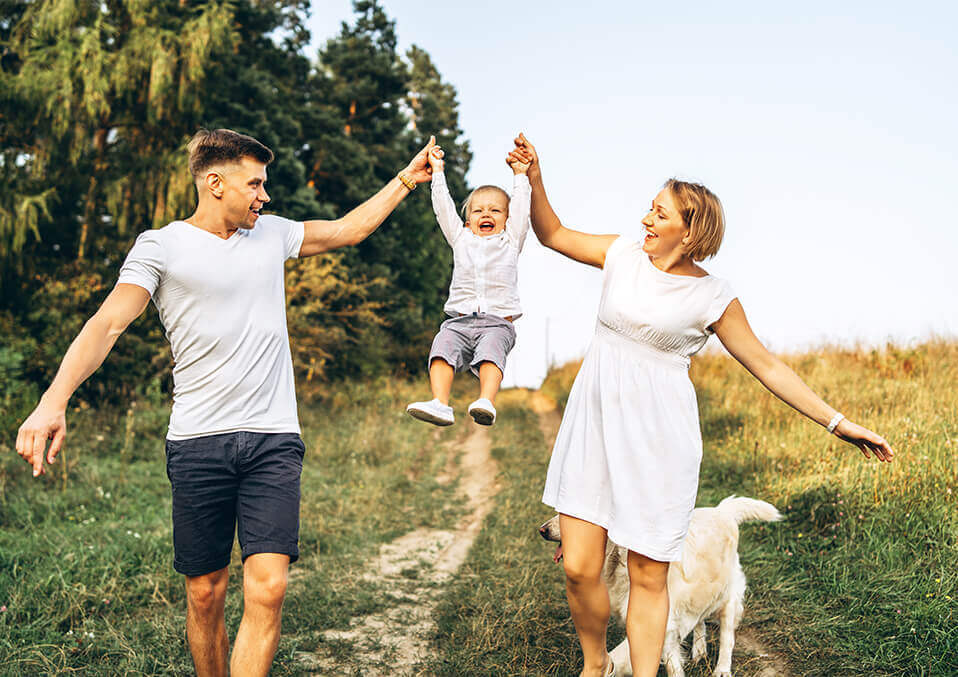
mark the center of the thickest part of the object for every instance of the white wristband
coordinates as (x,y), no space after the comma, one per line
(836,419)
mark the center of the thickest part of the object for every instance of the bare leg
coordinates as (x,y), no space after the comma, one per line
(441,374)
(490,376)
(205,625)
(583,556)
(648,613)
(264,587)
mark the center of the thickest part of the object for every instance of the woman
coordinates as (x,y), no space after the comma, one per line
(626,460)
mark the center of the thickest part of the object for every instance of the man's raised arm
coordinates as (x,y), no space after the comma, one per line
(85,355)
(357,225)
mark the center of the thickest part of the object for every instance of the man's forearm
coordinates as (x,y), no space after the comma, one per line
(360,223)
(84,356)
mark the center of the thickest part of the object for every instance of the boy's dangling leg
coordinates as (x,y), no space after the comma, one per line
(436,411)
(490,378)
(482,410)
(441,374)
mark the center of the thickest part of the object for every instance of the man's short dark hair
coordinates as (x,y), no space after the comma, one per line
(223,146)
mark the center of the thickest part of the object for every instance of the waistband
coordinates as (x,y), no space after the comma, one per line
(640,348)
(477,315)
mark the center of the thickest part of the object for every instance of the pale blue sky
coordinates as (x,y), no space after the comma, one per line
(829,134)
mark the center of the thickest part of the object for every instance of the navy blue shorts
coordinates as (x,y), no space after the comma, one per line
(243,482)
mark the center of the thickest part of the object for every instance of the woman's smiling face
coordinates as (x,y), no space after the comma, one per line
(664,228)
(488,211)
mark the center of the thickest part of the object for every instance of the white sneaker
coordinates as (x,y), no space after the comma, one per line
(433,411)
(482,411)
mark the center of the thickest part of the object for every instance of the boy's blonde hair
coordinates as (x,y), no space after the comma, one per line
(702,212)
(481,189)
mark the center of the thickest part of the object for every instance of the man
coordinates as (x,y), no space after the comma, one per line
(234,453)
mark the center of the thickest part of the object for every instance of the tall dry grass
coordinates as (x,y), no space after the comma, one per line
(862,577)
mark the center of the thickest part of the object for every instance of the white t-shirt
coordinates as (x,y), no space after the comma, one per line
(485,274)
(223,305)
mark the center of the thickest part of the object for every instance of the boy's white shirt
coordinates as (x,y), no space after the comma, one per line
(485,273)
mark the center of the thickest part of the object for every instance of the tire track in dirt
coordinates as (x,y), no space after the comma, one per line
(412,570)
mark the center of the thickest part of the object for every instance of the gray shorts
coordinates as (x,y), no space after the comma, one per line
(471,339)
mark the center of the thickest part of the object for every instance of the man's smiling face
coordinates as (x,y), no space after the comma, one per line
(488,211)
(244,192)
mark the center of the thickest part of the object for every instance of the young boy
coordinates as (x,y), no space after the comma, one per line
(483,296)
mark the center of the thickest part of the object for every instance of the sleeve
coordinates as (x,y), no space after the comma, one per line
(520,217)
(445,209)
(619,245)
(721,295)
(145,264)
(292,232)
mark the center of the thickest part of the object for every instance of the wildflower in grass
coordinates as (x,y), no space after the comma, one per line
(3,609)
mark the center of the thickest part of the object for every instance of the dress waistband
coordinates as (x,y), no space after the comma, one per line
(639,347)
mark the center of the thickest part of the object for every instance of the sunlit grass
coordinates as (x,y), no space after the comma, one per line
(862,577)
(86,577)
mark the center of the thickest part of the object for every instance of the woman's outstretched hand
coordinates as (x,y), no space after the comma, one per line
(524,154)
(868,442)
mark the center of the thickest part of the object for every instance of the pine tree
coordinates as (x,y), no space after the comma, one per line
(373,112)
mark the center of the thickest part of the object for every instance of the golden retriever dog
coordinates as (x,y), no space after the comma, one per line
(707,582)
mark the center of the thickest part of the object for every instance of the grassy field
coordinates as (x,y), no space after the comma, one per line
(860,579)
(86,578)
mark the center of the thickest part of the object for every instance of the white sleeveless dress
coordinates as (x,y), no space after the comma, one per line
(628,450)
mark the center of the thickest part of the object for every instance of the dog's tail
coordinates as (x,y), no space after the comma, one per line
(743,509)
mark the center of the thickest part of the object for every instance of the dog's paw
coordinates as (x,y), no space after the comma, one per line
(722,673)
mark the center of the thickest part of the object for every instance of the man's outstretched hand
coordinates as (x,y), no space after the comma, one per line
(419,169)
(45,423)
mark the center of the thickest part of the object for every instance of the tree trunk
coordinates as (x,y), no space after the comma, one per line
(99,142)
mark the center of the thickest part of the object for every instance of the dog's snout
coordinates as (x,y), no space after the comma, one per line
(549,530)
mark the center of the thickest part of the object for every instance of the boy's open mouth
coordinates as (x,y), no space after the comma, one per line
(487,226)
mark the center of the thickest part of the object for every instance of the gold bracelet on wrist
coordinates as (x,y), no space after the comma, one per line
(406,181)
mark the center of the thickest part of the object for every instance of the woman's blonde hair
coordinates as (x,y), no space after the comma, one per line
(702,212)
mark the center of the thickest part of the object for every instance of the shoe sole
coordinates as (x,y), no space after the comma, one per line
(428,417)
(482,417)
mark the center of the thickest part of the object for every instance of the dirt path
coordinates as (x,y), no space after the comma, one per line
(412,570)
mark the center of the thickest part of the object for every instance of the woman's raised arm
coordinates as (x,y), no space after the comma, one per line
(579,246)
(736,335)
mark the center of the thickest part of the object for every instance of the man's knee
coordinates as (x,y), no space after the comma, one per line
(206,594)
(266,585)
